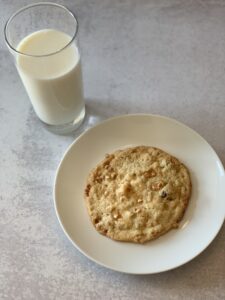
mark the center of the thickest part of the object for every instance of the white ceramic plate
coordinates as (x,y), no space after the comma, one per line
(201,223)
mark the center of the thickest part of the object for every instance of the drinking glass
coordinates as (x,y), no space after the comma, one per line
(42,38)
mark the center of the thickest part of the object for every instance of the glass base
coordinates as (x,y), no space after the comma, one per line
(66,128)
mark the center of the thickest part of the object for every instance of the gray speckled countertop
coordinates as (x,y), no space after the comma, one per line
(163,57)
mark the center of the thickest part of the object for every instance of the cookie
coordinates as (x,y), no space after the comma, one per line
(137,194)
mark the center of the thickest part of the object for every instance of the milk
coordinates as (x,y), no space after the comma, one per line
(53,81)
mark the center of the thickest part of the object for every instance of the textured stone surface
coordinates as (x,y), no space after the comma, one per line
(163,57)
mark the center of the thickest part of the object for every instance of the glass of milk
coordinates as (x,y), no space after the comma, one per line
(43,40)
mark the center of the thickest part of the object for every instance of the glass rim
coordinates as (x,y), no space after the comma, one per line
(33,5)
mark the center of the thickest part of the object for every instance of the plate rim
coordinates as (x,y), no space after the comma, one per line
(102,123)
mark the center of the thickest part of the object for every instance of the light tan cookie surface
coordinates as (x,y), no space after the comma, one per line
(137,194)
